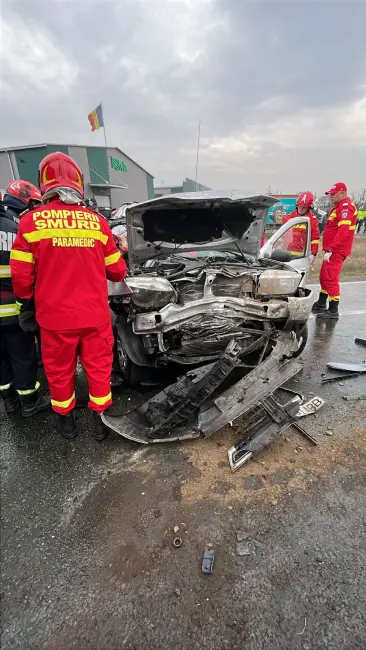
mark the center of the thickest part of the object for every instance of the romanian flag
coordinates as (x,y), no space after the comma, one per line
(96,118)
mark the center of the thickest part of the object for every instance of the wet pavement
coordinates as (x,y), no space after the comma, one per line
(87,560)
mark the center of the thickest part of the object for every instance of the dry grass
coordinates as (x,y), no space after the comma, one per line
(354,265)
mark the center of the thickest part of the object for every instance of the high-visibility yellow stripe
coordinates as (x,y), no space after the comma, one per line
(29,392)
(5,387)
(335,298)
(101,400)
(323,291)
(8,310)
(21,256)
(5,271)
(64,404)
(315,241)
(49,233)
(302,226)
(344,222)
(296,253)
(111,259)
(352,227)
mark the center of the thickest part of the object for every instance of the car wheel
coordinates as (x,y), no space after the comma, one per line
(302,335)
(132,374)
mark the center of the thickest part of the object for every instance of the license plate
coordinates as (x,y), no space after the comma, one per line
(312,406)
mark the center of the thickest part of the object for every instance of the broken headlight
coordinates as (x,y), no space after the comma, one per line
(281,282)
(151,292)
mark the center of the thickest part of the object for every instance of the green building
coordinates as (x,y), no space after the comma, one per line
(110,176)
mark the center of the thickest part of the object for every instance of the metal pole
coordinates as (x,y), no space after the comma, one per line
(11,166)
(198,151)
(105,135)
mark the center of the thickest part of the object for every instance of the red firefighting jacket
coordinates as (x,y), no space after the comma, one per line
(339,231)
(298,243)
(62,257)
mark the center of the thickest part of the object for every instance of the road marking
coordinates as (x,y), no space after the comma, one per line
(344,313)
(343,284)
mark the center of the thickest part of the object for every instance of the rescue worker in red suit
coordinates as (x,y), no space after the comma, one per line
(297,246)
(338,239)
(60,262)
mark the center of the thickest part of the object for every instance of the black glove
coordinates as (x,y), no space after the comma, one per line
(27,321)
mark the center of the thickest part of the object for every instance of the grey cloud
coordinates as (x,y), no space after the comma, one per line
(159,66)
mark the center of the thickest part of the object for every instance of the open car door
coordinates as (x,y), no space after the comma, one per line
(291,245)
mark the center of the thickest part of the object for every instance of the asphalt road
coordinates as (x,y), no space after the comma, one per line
(87,560)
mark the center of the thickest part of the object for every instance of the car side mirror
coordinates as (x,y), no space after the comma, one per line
(281,256)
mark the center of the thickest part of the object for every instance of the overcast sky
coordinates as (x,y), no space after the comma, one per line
(280,87)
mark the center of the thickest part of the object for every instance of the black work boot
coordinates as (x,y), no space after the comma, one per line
(34,403)
(67,425)
(11,399)
(320,305)
(100,430)
(332,312)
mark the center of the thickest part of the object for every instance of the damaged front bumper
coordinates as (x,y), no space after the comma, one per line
(295,309)
(189,408)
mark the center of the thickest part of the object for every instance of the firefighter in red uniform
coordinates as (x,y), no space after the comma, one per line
(338,239)
(304,205)
(60,262)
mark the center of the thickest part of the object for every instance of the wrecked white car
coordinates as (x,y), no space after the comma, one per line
(202,294)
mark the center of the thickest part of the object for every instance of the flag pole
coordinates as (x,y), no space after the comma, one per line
(198,150)
(105,135)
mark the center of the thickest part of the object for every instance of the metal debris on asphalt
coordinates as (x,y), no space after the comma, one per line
(329,380)
(242,549)
(208,559)
(353,398)
(347,367)
(241,535)
(176,529)
(361,342)
(177,591)
(177,542)
(269,420)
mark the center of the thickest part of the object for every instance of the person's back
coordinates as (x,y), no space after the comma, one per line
(69,245)
(60,262)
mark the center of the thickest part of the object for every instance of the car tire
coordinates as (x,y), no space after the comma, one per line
(132,374)
(302,333)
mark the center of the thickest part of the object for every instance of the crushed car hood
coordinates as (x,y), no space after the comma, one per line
(196,221)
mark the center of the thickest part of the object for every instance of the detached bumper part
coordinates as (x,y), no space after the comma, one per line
(186,410)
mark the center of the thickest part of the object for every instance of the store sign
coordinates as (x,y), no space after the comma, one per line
(118,165)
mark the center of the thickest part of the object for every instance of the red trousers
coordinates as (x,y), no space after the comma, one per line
(329,276)
(60,351)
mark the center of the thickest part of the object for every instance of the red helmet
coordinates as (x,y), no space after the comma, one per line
(305,200)
(24,191)
(59,170)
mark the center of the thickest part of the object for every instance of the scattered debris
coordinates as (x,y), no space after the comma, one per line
(157,513)
(328,380)
(301,633)
(353,398)
(348,367)
(267,422)
(361,342)
(177,591)
(208,559)
(241,535)
(176,529)
(177,542)
(329,432)
(242,549)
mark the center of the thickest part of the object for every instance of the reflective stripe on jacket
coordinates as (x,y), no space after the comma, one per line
(71,251)
(8,309)
(340,228)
